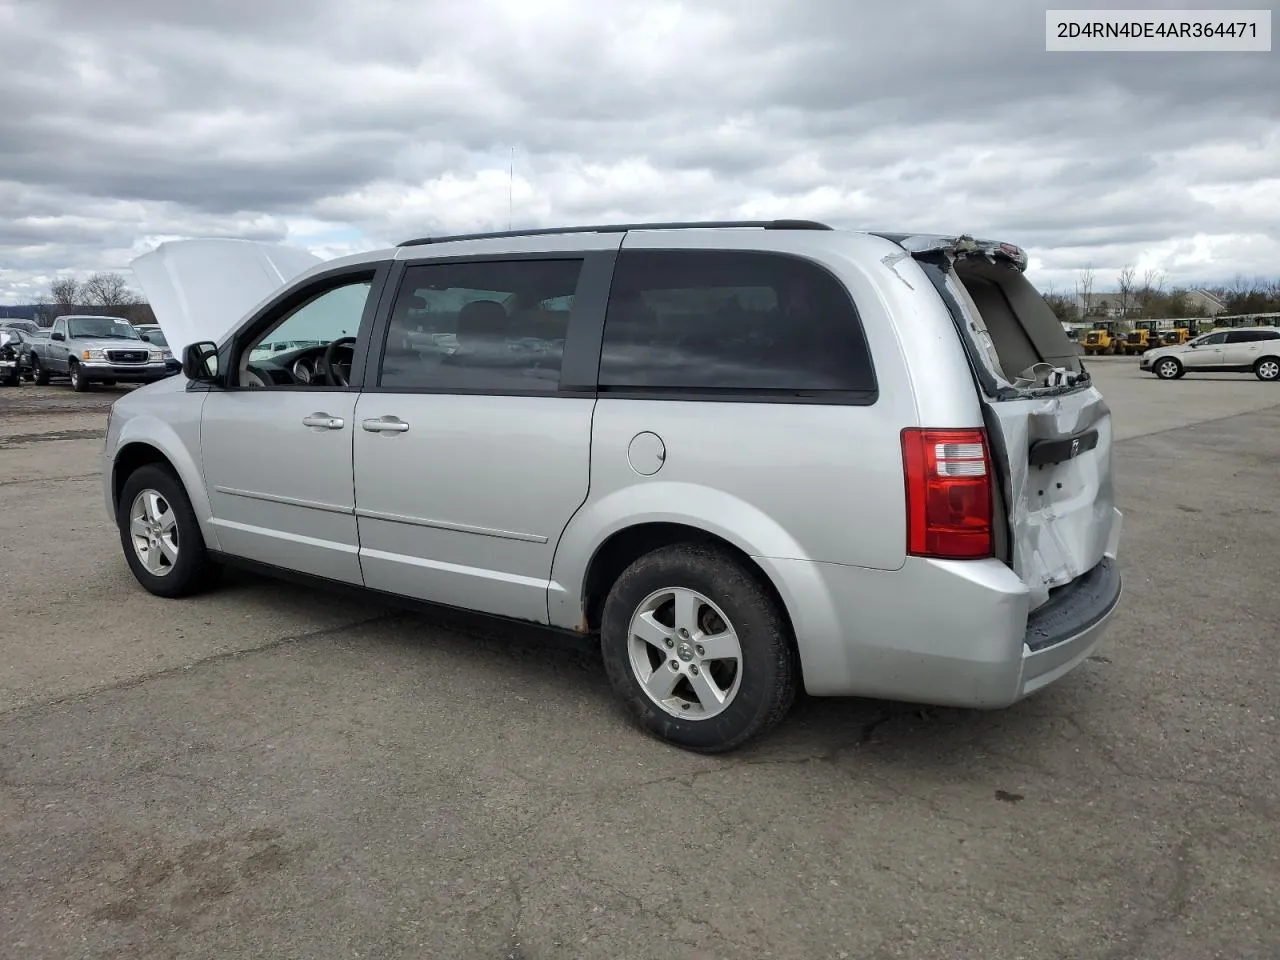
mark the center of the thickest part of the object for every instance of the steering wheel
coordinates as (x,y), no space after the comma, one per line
(333,371)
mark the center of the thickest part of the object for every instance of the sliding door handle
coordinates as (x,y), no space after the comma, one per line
(324,421)
(385,425)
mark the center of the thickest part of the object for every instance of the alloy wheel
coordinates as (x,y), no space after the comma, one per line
(684,653)
(153,530)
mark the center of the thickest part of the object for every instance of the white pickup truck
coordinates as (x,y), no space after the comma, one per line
(89,349)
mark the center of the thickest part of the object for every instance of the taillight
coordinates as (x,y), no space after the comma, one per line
(948,483)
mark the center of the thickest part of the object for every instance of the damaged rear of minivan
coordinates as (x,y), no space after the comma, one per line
(1047,445)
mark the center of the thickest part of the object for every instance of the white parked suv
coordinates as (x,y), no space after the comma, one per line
(746,458)
(1253,350)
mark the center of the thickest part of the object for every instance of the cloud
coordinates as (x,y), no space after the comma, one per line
(342,125)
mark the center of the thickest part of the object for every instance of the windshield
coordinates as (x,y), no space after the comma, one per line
(105,328)
(157,337)
(29,326)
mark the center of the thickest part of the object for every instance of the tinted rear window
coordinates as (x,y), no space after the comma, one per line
(731,320)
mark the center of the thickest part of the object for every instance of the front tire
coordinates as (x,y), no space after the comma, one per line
(38,373)
(160,535)
(698,649)
(1267,369)
(79,382)
(1167,368)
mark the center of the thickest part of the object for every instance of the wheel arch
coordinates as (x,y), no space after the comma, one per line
(131,457)
(1274,357)
(160,445)
(623,547)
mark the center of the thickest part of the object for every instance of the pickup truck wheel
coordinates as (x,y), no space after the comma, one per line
(697,649)
(1268,369)
(38,373)
(79,382)
(160,534)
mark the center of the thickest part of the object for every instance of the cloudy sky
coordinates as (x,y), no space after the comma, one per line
(345,124)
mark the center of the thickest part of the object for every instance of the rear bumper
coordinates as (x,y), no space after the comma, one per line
(949,633)
(1066,630)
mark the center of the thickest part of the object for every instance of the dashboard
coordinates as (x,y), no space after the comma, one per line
(300,366)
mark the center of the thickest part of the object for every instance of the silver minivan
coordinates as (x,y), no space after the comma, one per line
(745,458)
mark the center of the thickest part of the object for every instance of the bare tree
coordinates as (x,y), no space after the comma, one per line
(109,290)
(1084,290)
(65,293)
(1149,290)
(46,310)
(1126,286)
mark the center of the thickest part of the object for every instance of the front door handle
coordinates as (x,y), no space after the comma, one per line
(386,424)
(323,420)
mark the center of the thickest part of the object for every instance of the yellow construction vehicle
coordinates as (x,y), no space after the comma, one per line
(1101,338)
(1141,338)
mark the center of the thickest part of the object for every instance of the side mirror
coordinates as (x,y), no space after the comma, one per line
(146,337)
(57,335)
(200,362)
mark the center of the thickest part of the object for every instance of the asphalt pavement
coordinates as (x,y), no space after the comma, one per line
(274,771)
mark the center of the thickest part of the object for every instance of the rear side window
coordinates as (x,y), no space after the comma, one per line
(735,321)
(1251,336)
(480,326)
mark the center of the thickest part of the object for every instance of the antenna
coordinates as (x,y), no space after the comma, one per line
(511,180)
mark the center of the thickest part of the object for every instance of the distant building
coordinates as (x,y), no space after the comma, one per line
(1203,303)
(1199,303)
(1107,304)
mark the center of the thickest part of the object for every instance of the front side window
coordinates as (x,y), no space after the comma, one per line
(730,320)
(1213,338)
(102,328)
(477,326)
(291,352)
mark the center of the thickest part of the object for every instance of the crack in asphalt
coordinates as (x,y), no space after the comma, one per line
(15,440)
(226,656)
(75,477)
(1173,906)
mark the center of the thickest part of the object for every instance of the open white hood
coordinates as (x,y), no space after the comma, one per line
(200,289)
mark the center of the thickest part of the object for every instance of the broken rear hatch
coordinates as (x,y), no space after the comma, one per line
(1049,426)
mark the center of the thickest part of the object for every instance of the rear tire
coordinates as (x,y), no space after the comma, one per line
(1167,368)
(1267,369)
(160,535)
(720,696)
(39,374)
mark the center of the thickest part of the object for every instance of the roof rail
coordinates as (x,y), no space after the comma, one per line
(624,227)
